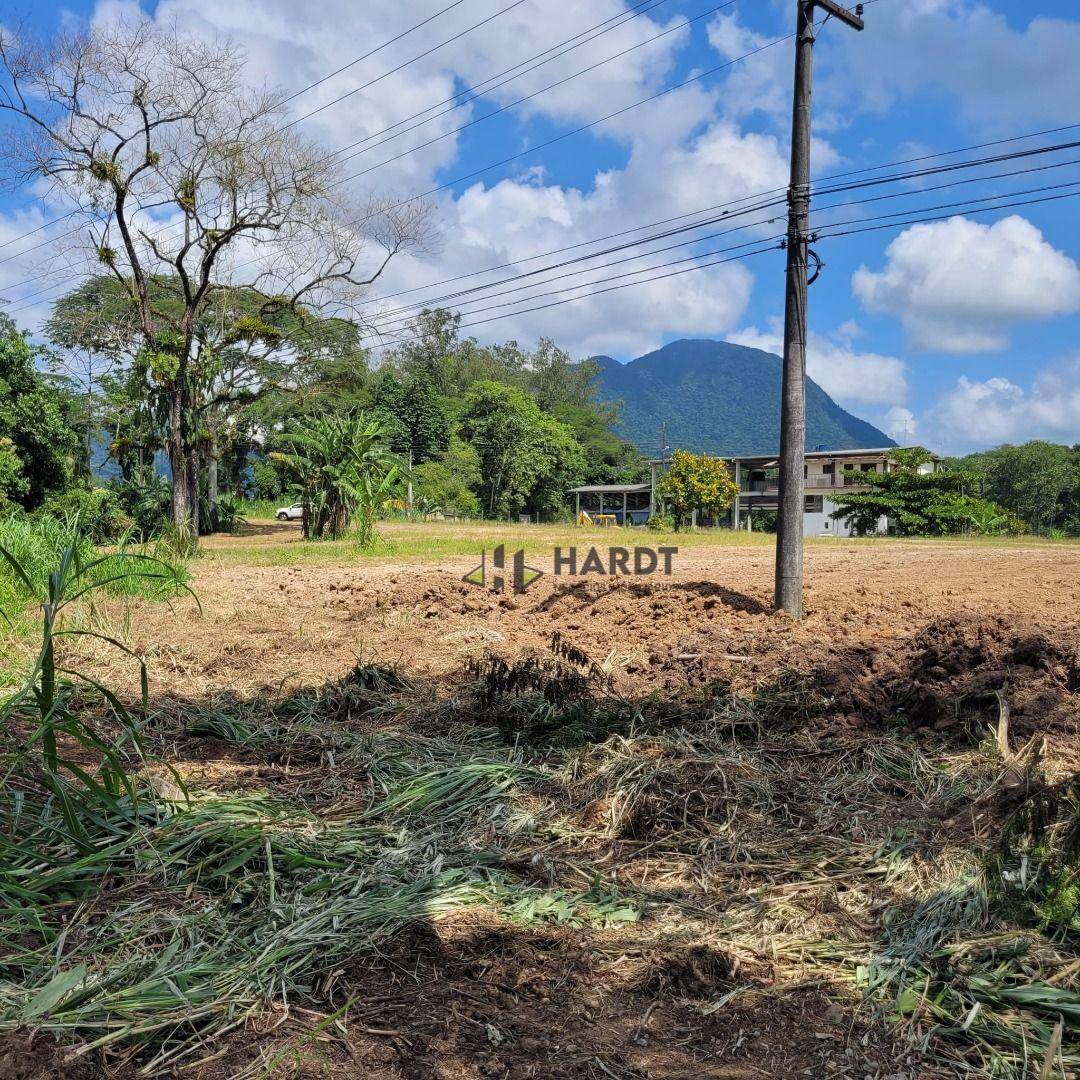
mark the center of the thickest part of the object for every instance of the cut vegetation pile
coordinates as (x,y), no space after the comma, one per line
(520,871)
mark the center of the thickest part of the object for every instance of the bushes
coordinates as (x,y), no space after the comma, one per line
(35,542)
(98,511)
(921,503)
(697,482)
(342,471)
(221,516)
(146,500)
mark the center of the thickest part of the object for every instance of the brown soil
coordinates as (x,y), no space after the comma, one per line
(928,632)
(463,1000)
(932,636)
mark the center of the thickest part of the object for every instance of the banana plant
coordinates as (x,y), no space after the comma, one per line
(342,470)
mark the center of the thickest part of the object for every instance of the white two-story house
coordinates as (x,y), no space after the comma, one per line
(827,471)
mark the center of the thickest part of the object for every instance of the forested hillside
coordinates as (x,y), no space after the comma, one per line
(720,398)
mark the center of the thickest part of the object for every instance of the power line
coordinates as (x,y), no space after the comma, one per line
(953,167)
(429,302)
(586,127)
(567,134)
(612,277)
(692,213)
(950,153)
(412,60)
(621,19)
(945,217)
(291,97)
(614,288)
(438,300)
(876,181)
(389,319)
(769,247)
(710,209)
(526,97)
(372,52)
(475,92)
(31,232)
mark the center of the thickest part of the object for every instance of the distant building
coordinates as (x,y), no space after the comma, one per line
(827,471)
(629,504)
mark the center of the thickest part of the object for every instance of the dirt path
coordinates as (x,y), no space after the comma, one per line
(268,626)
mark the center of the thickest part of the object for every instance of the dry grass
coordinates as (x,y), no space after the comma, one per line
(712,851)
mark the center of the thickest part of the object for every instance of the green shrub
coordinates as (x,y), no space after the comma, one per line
(97,510)
(266,480)
(37,541)
(763,521)
(661,523)
(147,502)
(221,516)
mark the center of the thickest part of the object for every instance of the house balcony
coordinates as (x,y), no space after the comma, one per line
(814,481)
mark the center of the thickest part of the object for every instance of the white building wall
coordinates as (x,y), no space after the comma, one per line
(824,525)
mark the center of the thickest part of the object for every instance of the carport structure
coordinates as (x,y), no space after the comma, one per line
(631,504)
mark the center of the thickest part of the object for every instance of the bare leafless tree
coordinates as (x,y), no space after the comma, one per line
(201,202)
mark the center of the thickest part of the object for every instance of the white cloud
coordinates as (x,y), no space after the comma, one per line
(960,285)
(703,160)
(977,413)
(1004,80)
(901,425)
(761,86)
(289,48)
(511,221)
(851,377)
(765,85)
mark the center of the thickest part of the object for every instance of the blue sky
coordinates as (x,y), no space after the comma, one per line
(960,333)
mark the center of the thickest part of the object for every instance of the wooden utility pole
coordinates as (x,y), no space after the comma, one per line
(789,521)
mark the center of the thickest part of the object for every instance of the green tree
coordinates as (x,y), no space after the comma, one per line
(698,482)
(135,120)
(527,460)
(919,502)
(434,348)
(568,391)
(554,379)
(342,470)
(416,412)
(1037,481)
(246,348)
(39,447)
(266,479)
(450,480)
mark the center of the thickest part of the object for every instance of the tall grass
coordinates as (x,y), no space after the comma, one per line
(132,912)
(36,544)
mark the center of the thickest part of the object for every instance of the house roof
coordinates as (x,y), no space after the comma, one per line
(865,452)
(610,489)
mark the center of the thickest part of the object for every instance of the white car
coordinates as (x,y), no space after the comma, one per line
(290,513)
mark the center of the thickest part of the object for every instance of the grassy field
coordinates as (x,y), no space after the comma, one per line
(265,542)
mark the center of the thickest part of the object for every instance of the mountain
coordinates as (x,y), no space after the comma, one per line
(720,398)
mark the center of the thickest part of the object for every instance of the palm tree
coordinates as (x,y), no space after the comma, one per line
(343,470)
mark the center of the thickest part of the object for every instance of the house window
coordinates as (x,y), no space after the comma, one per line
(829,469)
(815,504)
(869,467)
